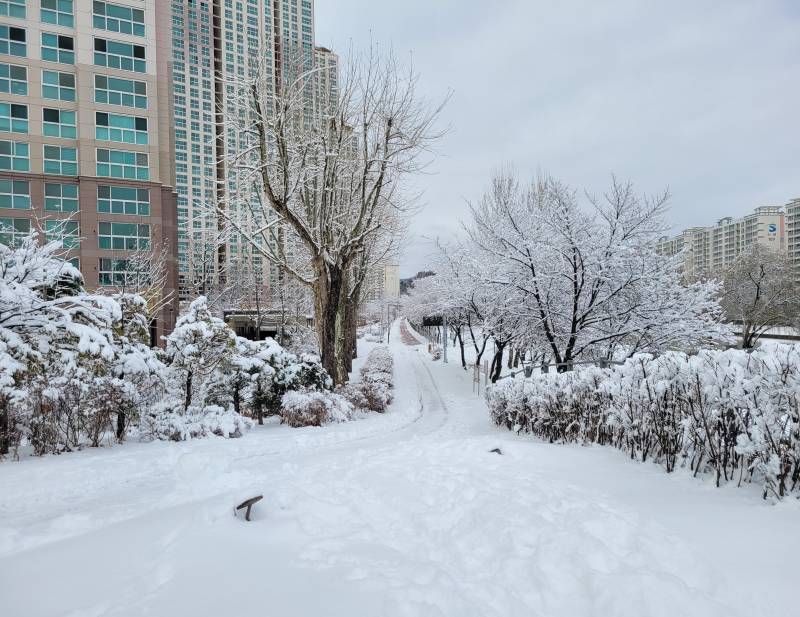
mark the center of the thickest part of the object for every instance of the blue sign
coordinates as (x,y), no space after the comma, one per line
(772,228)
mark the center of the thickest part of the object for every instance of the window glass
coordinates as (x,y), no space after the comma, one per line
(58,86)
(13,79)
(15,194)
(60,197)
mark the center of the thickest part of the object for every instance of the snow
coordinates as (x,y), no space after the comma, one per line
(402,513)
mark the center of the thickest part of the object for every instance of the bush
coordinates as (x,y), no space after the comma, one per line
(167,422)
(730,413)
(354,394)
(377,379)
(379,365)
(377,396)
(314,408)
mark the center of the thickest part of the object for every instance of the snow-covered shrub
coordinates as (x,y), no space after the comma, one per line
(379,366)
(377,379)
(167,421)
(50,329)
(314,408)
(354,394)
(733,414)
(292,373)
(200,345)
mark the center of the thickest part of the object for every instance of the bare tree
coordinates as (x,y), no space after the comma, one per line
(145,274)
(759,292)
(316,189)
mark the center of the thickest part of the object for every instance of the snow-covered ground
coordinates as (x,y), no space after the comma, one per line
(402,514)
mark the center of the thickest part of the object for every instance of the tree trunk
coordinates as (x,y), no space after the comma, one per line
(120,426)
(343,350)
(461,344)
(237,398)
(188,397)
(330,308)
(497,362)
(351,338)
(747,335)
(5,429)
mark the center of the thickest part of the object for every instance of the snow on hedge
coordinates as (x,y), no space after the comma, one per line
(314,408)
(733,414)
(377,379)
(318,406)
(167,424)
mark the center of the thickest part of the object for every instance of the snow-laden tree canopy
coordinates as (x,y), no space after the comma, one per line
(573,279)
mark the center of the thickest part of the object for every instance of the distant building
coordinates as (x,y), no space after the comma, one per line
(707,251)
(326,80)
(391,282)
(793,233)
(383,283)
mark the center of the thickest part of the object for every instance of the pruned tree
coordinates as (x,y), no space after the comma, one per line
(316,189)
(760,292)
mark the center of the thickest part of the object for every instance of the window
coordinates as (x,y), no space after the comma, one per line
(123,200)
(15,194)
(13,118)
(12,8)
(15,155)
(13,79)
(58,86)
(58,48)
(118,55)
(123,236)
(14,231)
(58,12)
(117,127)
(121,272)
(60,160)
(122,164)
(65,232)
(60,197)
(116,18)
(122,92)
(59,123)
(12,41)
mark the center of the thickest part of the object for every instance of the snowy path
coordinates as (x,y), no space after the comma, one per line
(408,513)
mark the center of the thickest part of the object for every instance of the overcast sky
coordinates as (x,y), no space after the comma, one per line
(701,96)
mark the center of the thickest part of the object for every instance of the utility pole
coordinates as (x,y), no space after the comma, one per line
(444,339)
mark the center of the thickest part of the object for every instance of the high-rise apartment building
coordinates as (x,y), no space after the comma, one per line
(85,134)
(793,234)
(707,251)
(213,43)
(326,79)
(383,283)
